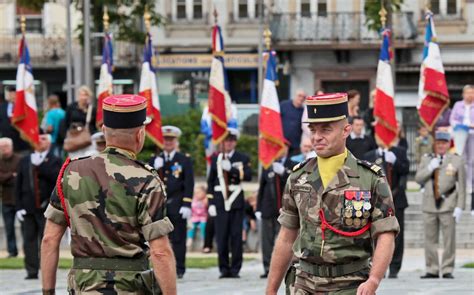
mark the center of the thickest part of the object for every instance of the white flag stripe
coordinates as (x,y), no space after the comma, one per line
(25,81)
(384,80)
(433,60)
(148,81)
(105,79)
(270,96)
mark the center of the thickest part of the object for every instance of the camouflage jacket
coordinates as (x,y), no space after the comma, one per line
(115,204)
(305,195)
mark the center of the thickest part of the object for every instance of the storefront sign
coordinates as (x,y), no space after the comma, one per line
(203,61)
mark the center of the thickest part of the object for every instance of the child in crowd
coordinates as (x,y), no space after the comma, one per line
(199,214)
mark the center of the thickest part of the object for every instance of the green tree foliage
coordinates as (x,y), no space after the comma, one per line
(125,17)
(372,9)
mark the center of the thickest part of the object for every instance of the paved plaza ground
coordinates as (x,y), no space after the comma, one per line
(205,281)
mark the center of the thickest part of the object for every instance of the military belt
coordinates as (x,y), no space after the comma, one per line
(333,270)
(115,263)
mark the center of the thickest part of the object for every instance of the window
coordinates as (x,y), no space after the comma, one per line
(435,6)
(305,8)
(243,9)
(180,9)
(452,7)
(34,24)
(197,9)
(322,7)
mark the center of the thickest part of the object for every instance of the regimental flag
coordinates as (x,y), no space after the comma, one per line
(271,144)
(149,90)
(433,96)
(25,114)
(105,79)
(386,128)
(219,98)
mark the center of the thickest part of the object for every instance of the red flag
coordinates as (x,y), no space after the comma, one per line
(271,144)
(433,91)
(149,90)
(25,115)
(219,98)
(105,79)
(386,128)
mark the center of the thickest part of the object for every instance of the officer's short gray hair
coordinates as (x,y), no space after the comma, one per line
(6,141)
(467,87)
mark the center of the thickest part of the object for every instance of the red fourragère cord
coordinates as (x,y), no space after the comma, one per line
(59,190)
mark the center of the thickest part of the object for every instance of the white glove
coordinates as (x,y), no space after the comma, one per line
(212,211)
(278,168)
(457,214)
(226,165)
(20,215)
(158,163)
(185,212)
(258,215)
(390,157)
(434,163)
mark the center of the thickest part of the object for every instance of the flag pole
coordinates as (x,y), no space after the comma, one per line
(105,20)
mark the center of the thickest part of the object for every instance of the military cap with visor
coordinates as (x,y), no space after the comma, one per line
(327,107)
(125,111)
(171,131)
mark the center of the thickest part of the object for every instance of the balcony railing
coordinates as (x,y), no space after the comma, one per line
(48,49)
(335,27)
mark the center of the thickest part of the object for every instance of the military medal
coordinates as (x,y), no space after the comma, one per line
(357,221)
(358,213)
(364,222)
(367,206)
(358,205)
(366,214)
(348,213)
(349,221)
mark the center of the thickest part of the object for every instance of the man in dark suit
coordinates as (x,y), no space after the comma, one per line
(36,178)
(358,142)
(226,202)
(176,171)
(395,163)
(6,127)
(270,191)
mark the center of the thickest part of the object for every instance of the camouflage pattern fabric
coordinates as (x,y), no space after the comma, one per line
(115,204)
(303,198)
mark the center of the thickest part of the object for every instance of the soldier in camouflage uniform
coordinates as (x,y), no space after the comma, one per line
(334,209)
(113,205)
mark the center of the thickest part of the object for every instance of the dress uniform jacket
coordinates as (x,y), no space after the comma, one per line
(450,183)
(269,189)
(240,171)
(400,170)
(357,185)
(178,177)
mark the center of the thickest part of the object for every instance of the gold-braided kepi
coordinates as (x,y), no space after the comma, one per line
(327,107)
(124,111)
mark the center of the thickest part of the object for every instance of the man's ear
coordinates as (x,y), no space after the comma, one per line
(346,130)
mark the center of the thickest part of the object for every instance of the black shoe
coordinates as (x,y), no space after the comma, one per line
(224,275)
(180,275)
(448,276)
(234,276)
(12,255)
(264,276)
(393,276)
(429,276)
(31,277)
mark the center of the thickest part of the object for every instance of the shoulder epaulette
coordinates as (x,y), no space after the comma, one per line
(187,155)
(80,158)
(300,165)
(372,167)
(146,166)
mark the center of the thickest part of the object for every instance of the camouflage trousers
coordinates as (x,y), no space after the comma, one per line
(85,281)
(306,284)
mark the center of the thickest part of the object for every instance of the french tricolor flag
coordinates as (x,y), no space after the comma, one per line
(219,98)
(149,90)
(105,79)
(433,96)
(384,108)
(25,115)
(271,143)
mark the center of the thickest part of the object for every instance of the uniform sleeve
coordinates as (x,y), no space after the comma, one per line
(383,215)
(423,174)
(54,211)
(289,217)
(152,211)
(210,182)
(188,183)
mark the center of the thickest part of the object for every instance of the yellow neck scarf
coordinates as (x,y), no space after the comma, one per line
(328,167)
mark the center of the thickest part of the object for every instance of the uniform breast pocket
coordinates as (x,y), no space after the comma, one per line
(306,200)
